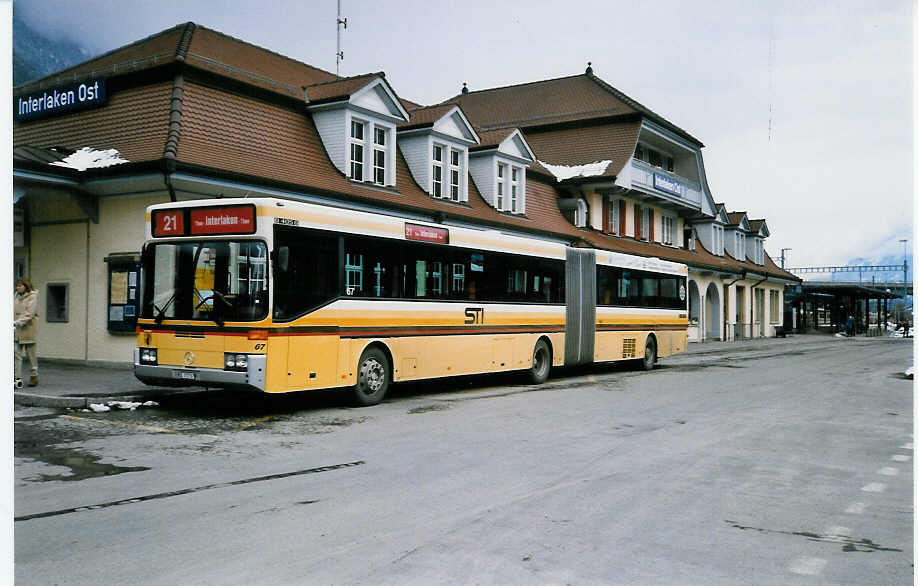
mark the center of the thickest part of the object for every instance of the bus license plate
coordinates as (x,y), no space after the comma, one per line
(182,374)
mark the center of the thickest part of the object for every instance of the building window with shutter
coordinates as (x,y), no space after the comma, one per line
(614,216)
(669,229)
(645,223)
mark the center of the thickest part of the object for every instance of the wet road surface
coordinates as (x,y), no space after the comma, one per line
(766,467)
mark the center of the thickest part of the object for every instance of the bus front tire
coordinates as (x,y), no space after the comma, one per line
(373,374)
(650,353)
(541,363)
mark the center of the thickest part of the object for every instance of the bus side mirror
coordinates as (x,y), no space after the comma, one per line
(282,261)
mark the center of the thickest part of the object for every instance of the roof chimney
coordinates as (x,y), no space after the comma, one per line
(465,88)
(589,69)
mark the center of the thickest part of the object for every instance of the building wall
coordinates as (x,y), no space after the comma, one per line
(120,229)
(417,153)
(58,255)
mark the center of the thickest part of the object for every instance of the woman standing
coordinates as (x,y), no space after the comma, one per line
(25,324)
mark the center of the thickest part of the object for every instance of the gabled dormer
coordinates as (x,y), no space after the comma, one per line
(758,233)
(356,118)
(435,144)
(498,166)
(710,231)
(735,235)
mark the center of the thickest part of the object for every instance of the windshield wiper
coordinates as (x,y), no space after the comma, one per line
(162,312)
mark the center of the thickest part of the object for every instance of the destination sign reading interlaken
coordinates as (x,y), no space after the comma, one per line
(426,233)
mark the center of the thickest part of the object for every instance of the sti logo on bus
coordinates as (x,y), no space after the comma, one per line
(474,315)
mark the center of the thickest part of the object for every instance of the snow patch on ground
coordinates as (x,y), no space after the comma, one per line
(127,405)
(562,172)
(910,372)
(89,158)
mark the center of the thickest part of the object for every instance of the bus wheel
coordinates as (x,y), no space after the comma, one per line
(650,353)
(541,363)
(372,377)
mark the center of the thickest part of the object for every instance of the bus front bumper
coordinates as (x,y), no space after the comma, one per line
(178,376)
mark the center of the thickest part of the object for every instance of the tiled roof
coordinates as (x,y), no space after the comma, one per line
(338,89)
(202,48)
(492,138)
(135,121)
(544,102)
(582,145)
(554,101)
(425,116)
(735,218)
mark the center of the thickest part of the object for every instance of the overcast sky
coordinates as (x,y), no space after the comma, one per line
(805,107)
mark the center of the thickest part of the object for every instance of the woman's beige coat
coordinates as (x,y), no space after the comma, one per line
(25,317)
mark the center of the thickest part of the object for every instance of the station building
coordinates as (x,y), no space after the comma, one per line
(191,113)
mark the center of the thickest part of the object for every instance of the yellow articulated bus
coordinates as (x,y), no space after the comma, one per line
(278,295)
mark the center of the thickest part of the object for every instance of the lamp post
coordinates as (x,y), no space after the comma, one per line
(904,242)
(782,256)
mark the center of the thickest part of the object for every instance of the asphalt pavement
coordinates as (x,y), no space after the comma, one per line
(74,385)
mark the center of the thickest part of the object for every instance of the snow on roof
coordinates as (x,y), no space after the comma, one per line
(562,172)
(89,158)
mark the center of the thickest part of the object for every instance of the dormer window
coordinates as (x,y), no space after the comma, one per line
(514,188)
(718,240)
(379,155)
(740,246)
(501,185)
(437,171)
(455,174)
(498,167)
(356,148)
(356,119)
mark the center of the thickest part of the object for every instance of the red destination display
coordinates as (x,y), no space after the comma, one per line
(223,220)
(169,223)
(426,233)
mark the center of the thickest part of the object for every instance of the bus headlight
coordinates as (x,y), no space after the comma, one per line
(148,356)
(233,361)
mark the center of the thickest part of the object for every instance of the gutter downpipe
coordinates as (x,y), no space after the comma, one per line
(726,297)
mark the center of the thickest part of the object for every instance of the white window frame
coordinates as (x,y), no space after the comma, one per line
(383,149)
(718,240)
(514,188)
(645,223)
(436,187)
(455,171)
(740,244)
(668,228)
(614,217)
(354,143)
(500,195)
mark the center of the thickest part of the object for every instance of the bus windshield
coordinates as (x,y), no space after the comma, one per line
(218,280)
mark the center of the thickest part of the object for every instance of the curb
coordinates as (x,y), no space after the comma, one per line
(33,400)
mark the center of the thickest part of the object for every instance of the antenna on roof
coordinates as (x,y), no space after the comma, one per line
(339,54)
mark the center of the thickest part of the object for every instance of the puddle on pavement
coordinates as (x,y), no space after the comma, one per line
(31,442)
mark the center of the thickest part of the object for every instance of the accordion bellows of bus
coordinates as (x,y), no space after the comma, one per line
(278,296)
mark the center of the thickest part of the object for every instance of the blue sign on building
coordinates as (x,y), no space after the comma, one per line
(61,100)
(668,184)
